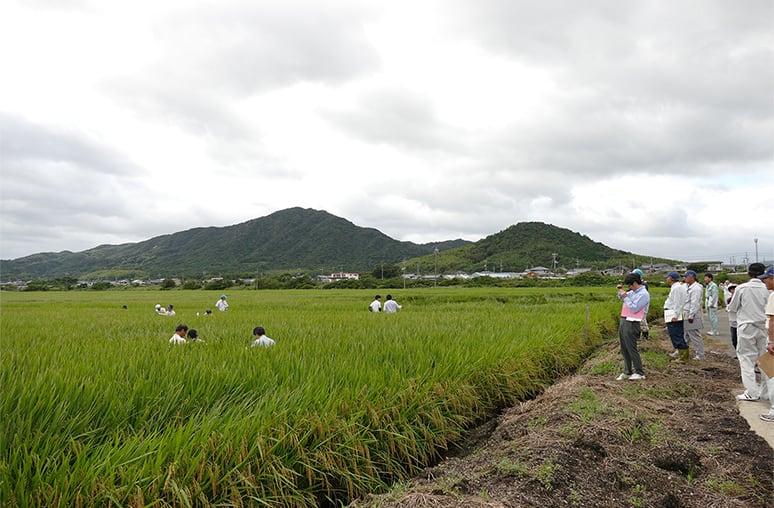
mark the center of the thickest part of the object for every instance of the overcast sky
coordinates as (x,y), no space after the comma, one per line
(646,125)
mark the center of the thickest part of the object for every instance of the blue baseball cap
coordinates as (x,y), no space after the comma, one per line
(768,273)
(673,275)
(689,272)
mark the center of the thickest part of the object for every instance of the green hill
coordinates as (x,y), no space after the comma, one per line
(315,241)
(526,245)
(287,240)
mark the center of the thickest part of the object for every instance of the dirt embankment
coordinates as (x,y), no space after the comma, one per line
(675,439)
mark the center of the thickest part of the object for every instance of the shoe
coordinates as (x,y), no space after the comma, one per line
(698,358)
(635,376)
(767,418)
(674,354)
(746,396)
(621,377)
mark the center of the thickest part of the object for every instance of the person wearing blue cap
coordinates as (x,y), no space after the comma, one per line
(692,323)
(222,304)
(749,303)
(644,328)
(673,316)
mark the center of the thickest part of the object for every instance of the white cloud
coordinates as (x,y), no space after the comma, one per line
(646,126)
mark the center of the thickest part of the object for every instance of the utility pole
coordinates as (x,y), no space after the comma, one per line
(756,249)
(435,278)
(553,262)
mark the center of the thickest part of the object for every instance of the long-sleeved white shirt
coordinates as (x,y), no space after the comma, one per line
(749,302)
(692,306)
(673,306)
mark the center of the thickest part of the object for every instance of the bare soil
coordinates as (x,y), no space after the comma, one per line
(675,439)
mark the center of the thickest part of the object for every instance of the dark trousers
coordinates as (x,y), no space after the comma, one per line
(628,333)
(733,337)
(677,334)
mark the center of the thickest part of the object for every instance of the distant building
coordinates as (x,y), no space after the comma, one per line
(336,276)
(537,271)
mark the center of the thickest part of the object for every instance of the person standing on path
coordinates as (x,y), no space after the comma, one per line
(728,293)
(673,316)
(749,303)
(635,304)
(644,328)
(692,314)
(768,279)
(711,303)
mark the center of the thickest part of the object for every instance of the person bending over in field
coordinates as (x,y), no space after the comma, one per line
(261,340)
(193,336)
(179,336)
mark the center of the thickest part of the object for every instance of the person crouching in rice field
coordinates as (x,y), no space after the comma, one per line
(636,301)
(261,340)
(179,336)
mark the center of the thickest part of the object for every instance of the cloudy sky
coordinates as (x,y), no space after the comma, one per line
(647,125)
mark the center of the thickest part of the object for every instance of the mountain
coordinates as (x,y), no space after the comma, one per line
(528,244)
(287,240)
(315,241)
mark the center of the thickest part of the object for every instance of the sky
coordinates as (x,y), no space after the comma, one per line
(646,125)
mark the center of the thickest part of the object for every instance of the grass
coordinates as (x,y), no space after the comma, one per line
(98,408)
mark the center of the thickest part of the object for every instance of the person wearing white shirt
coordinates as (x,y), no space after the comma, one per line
(222,304)
(673,316)
(692,314)
(179,336)
(749,303)
(391,306)
(768,279)
(711,303)
(261,340)
(376,305)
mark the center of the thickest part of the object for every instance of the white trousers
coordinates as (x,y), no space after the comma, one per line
(751,343)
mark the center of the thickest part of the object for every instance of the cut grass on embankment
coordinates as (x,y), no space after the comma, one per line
(99,409)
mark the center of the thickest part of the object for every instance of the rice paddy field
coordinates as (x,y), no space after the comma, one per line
(98,408)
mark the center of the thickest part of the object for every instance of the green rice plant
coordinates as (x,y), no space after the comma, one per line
(98,408)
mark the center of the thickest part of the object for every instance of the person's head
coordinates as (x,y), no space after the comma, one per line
(181,330)
(389,297)
(633,279)
(169,307)
(193,334)
(690,276)
(638,272)
(756,270)
(208,311)
(158,306)
(768,277)
(258,331)
(732,288)
(223,297)
(378,297)
(672,277)
(708,278)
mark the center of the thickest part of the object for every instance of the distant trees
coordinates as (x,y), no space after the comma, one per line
(386,271)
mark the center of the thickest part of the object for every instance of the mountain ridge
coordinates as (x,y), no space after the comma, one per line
(313,241)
